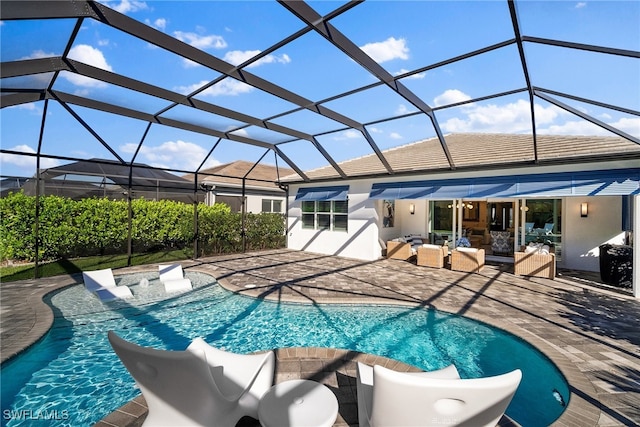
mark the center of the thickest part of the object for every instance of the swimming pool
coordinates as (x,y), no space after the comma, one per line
(72,375)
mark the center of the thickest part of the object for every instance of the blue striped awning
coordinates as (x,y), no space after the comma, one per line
(616,182)
(338,192)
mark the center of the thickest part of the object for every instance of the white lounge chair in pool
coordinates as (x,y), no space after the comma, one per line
(200,386)
(103,284)
(173,278)
(390,398)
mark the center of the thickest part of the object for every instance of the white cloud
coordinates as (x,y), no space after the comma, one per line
(160,23)
(90,56)
(395,135)
(402,109)
(630,125)
(241,132)
(171,154)
(126,6)
(413,76)
(374,129)
(237,57)
(584,127)
(201,41)
(580,5)
(347,134)
(387,50)
(228,86)
(26,162)
(450,96)
(36,54)
(510,118)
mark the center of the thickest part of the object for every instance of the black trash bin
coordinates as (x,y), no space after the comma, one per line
(616,265)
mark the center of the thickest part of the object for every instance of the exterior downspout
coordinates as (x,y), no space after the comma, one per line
(285,188)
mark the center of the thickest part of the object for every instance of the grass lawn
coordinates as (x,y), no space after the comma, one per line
(70,266)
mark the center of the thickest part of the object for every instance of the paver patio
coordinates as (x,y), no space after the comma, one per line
(590,333)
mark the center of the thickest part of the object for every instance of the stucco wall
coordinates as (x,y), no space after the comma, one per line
(583,236)
(361,240)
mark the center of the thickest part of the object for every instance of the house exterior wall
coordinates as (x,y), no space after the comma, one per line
(582,237)
(366,236)
(361,239)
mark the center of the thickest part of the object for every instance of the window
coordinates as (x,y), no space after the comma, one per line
(269,205)
(325,215)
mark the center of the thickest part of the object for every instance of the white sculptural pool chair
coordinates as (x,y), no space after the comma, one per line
(200,386)
(103,285)
(390,398)
(172,277)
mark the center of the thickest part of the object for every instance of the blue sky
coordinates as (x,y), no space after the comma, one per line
(400,36)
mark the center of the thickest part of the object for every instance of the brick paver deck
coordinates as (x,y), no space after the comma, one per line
(592,334)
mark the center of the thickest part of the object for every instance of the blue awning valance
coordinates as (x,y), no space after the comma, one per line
(587,183)
(338,192)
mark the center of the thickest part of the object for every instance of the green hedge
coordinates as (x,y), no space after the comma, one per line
(75,228)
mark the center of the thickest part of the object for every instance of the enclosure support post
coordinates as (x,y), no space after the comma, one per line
(244,211)
(129,226)
(36,230)
(195,216)
(635,278)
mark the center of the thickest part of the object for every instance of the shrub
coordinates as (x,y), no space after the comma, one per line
(98,226)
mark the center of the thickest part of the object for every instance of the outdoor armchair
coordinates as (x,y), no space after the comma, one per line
(399,250)
(200,386)
(390,398)
(535,260)
(467,259)
(432,255)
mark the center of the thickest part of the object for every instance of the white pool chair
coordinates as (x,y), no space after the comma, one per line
(390,398)
(103,285)
(173,278)
(201,386)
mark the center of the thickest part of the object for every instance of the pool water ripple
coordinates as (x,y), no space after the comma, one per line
(74,375)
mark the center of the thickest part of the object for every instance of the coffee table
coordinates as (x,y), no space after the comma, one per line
(298,403)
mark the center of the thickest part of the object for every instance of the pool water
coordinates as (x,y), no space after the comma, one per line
(73,377)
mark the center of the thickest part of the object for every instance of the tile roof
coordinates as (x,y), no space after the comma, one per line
(232,173)
(472,150)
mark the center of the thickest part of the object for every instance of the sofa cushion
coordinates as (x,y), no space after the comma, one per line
(429,246)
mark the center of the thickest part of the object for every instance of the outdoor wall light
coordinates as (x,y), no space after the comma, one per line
(412,208)
(584,209)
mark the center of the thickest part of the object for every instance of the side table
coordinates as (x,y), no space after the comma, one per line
(297,403)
